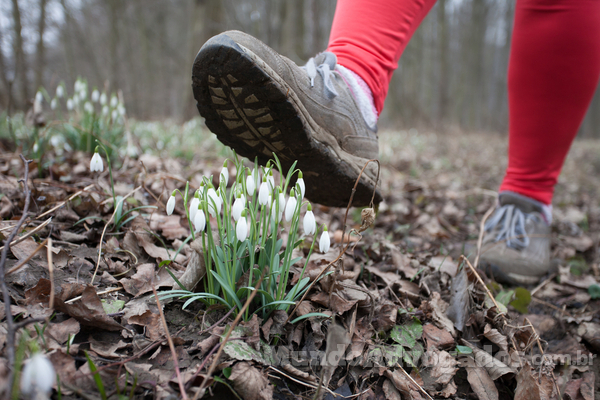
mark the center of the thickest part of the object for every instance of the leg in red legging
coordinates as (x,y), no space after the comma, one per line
(368,37)
(553,73)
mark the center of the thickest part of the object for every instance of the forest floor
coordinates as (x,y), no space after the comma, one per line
(393,295)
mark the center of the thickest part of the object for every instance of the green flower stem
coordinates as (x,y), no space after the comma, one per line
(112,182)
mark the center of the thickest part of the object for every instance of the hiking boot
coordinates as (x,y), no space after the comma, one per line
(260,103)
(516,243)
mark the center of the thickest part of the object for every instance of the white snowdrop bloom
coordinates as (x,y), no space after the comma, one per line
(39,97)
(95,95)
(250,186)
(60,91)
(263,193)
(38,377)
(199,221)
(271,180)
(54,103)
(67,147)
(310,225)
(105,110)
(290,207)
(171,204)
(70,104)
(300,183)
(77,86)
(224,173)
(121,109)
(36,147)
(55,141)
(324,241)
(96,164)
(194,207)
(238,207)
(103,99)
(281,202)
(114,101)
(214,202)
(88,107)
(132,151)
(114,115)
(241,228)
(83,94)
(75,100)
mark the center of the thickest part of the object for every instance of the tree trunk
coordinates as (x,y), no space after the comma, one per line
(20,62)
(39,65)
(443,41)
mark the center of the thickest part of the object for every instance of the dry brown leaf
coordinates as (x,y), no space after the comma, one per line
(140,229)
(482,384)
(152,322)
(440,369)
(170,225)
(250,383)
(528,387)
(62,330)
(458,311)
(141,281)
(107,349)
(437,308)
(437,338)
(88,311)
(390,391)
(481,358)
(496,337)
(407,388)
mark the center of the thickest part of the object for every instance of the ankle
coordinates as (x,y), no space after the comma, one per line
(544,209)
(362,94)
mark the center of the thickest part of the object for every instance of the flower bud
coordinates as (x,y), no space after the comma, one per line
(324,241)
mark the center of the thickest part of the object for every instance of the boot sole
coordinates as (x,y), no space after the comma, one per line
(252,110)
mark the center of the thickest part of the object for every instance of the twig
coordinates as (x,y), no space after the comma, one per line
(541,285)
(51,274)
(537,338)
(85,189)
(229,332)
(171,345)
(99,293)
(28,234)
(104,231)
(481,281)
(413,381)
(481,232)
(10,327)
(311,385)
(25,261)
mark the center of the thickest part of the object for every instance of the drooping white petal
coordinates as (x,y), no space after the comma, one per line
(199,221)
(271,180)
(194,208)
(290,207)
(114,101)
(170,205)
(103,99)
(54,104)
(39,97)
(60,91)
(96,164)
(105,110)
(238,207)
(225,175)
(70,104)
(324,242)
(95,95)
(38,377)
(250,186)
(214,202)
(263,194)
(88,107)
(300,182)
(310,225)
(241,229)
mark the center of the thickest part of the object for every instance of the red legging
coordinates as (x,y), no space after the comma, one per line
(553,73)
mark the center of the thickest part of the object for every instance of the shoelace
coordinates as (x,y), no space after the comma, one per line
(326,73)
(512,226)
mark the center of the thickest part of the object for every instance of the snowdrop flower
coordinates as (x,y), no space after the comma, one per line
(105,110)
(60,91)
(54,103)
(39,97)
(88,107)
(121,109)
(271,180)
(238,206)
(300,182)
(75,101)
(199,220)
(95,95)
(224,173)
(241,228)
(310,224)
(96,164)
(38,377)
(324,241)
(194,205)
(76,87)
(263,192)
(250,186)
(114,101)
(290,207)
(83,94)
(114,115)
(214,202)
(36,147)
(171,203)
(103,99)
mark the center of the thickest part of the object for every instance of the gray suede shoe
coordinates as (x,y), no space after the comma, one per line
(516,245)
(260,103)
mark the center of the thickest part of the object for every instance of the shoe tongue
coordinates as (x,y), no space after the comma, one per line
(523,203)
(328,58)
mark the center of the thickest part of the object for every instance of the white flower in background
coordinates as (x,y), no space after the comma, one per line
(39,97)
(114,115)
(310,225)
(88,107)
(70,104)
(105,110)
(241,228)
(238,206)
(214,202)
(324,241)
(83,94)
(103,99)
(224,173)
(271,180)
(95,95)
(290,207)
(121,109)
(114,101)
(199,221)
(77,86)
(54,103)
(55,141)
(132,151)
(171,203)
(60,91)
(38,377)
(75,101)
(263,192)
(36,147)
(300,182)
(96,164)
(194,206)
(250,186)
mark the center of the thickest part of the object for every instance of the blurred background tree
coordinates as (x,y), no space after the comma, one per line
(452,74)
